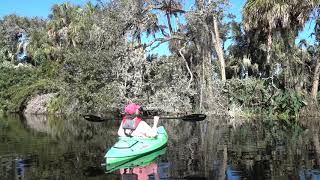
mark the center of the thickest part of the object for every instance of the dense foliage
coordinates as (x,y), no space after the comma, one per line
(97,57)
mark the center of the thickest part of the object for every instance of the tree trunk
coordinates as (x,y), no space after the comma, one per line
(269,44)
(315,82)
(219,49)
(169,23)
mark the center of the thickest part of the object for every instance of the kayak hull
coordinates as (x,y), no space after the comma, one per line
(131,148)
(137,162)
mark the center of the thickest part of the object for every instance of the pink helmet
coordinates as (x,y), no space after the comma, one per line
(131,108)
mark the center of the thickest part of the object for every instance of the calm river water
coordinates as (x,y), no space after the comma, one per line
(38,147)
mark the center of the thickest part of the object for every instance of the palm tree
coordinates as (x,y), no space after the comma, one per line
(63,23)
(144,20)
(152,26)
(170,8)
(81,23)
(272,14)
(55,23)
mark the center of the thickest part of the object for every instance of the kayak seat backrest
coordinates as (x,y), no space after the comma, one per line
(123,144)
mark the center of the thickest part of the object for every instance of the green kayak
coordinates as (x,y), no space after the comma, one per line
(139,162)
(131,148)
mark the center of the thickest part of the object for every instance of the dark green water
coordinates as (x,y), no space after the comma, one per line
(54,148)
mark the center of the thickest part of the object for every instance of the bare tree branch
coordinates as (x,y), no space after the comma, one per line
(191,75)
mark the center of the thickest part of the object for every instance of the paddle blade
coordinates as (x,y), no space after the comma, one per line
(194,117)
(93,118)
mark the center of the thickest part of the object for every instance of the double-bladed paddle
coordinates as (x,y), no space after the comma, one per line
(191,117)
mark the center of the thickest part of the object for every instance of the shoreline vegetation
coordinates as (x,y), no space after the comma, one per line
(97,57)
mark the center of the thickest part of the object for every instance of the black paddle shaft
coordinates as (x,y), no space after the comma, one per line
(191,117)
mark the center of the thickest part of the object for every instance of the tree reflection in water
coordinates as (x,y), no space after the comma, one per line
(65,148)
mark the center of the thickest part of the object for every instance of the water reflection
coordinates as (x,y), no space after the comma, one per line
(145,167)
(58,151)
(72,148)
(150,171)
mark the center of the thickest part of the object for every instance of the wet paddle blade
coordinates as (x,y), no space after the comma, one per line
(194,117)
(93,118)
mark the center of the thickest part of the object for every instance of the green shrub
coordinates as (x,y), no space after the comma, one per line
(18,84)
(249,92)
(286,105)
(20,94)
(39,56)
(258,96)
(56,105)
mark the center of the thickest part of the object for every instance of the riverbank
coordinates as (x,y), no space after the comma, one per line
(249,101)
(32,91)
